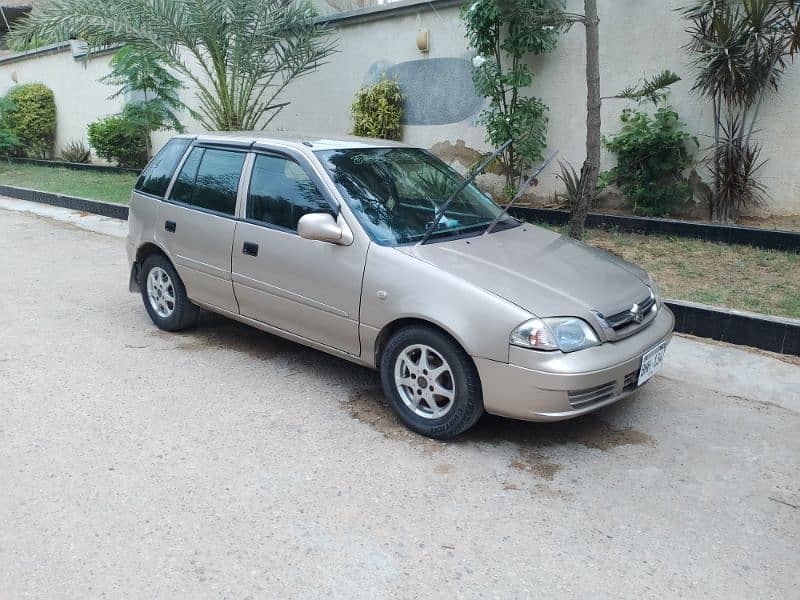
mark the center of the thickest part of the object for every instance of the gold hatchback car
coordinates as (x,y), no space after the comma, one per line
(383,255)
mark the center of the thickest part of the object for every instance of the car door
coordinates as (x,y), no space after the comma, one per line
(306,287)
(196,223)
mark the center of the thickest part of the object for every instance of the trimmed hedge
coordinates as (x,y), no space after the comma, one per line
(119,139)
(32,118)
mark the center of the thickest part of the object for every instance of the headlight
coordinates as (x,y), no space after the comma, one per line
(567,334)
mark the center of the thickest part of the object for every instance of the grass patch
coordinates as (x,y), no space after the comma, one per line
(730,276)
(741,277)
(110,187)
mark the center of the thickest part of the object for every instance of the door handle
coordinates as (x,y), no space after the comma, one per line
(169,225)
(250,248)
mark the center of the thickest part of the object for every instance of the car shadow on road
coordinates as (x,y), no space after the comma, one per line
(596,431)
(366,403)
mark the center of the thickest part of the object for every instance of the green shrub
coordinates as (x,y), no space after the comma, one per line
(119,139)
(75,151)
(378,110)
(8,139)
(33,118)
(652,154)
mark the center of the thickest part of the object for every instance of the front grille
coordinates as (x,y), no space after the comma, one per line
(596,395)
(626,317)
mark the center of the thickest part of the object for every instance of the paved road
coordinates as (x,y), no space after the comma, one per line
(225,462)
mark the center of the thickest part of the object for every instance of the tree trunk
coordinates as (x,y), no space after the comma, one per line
(591,167)
(713,201)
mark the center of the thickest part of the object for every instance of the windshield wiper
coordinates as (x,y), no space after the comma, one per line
(519,193)
(459,189)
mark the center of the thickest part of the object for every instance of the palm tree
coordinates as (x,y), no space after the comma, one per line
(740,50)
(238,55)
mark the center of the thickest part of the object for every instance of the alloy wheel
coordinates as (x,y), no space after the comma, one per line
(425,381)
(161,292)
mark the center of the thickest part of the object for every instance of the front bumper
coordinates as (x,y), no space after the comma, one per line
(553,386)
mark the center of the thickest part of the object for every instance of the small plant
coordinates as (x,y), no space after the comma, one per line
(738,164)
(141,74)
(119,139)
(504,42)
(75,151)
(378,110)
(572,184)
(32,118)
(652,154)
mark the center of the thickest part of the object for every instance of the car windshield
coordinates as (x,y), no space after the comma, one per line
(397,192)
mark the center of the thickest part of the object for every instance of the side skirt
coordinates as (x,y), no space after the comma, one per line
(286,335)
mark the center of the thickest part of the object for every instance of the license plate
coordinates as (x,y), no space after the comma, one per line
(652,362)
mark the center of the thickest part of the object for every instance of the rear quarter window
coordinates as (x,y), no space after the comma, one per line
(155,179)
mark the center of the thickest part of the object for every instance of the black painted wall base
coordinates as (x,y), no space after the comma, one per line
(106,209)
(743,329)
(60,164)
(771,239)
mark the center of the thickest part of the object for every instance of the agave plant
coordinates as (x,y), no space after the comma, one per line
(572,184)
(238,55)
(740,51)
(737,163)
(75,151)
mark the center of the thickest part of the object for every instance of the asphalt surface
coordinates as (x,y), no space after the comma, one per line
(227,463)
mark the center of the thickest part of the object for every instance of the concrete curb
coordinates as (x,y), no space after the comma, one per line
(770,239)
(774,334)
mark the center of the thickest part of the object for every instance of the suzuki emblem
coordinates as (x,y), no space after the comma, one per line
(637,313)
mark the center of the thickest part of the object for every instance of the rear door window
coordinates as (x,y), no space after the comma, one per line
(155,179)
(209,179)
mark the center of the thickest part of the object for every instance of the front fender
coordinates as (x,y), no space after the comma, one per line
(397,286)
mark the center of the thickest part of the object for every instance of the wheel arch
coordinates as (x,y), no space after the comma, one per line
(388,330)
(142,253)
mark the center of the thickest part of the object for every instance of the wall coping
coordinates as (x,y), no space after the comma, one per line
(26,54)
(385,11)
(55,49)
(350,17)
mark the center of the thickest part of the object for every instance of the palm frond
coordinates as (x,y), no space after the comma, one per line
(652,89)
(238,55)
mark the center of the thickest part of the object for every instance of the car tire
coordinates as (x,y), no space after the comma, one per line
(431,382)
(164,295)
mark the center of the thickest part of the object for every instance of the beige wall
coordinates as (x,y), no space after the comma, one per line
(638,37)
(80,98)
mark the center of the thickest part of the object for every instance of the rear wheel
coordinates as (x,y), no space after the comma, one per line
(431,383)
(164,295)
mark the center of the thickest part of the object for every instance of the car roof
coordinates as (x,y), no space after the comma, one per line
(303,142)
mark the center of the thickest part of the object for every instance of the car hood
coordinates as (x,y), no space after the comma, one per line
(540,271)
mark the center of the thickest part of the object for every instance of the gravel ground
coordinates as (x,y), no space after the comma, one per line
(227,463)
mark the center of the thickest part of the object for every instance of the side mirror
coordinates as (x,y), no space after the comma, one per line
(324,228)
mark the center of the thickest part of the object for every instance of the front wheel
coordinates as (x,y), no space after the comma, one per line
(431,383)
(164,295)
